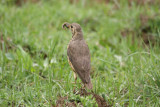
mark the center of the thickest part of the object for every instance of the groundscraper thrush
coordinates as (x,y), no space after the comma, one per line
(78,54)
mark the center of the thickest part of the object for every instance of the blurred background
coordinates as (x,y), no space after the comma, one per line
(123,37)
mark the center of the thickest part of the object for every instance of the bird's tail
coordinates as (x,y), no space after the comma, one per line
(89,85)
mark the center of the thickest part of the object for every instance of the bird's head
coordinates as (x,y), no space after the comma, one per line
(74,27)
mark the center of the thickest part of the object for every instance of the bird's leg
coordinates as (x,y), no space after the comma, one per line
(83,86)
(83,90)
(75,77)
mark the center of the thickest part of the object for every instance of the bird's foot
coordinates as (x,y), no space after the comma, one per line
(75,91)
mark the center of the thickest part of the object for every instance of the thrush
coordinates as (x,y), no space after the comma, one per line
(78,54)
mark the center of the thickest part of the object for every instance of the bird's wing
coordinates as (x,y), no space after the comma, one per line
(79,56)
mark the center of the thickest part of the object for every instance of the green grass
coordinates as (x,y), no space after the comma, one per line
(34,69)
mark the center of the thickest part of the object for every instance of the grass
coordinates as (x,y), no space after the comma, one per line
(34,69)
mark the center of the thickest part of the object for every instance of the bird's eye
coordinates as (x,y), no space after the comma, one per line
(71,26)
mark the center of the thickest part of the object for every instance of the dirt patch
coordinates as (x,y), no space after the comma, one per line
(64,101)
(146,32)
(148,28)
(7,41)
(100,101)
(21,2)
(143,2)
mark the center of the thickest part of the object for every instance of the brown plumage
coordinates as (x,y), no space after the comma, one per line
(78,54)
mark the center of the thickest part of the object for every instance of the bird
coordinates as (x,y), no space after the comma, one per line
(79,55)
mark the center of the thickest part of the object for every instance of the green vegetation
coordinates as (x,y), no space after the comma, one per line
(34,69)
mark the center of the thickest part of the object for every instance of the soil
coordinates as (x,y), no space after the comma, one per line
(61,102)
(21,2)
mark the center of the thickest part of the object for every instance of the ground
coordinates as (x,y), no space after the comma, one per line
(123,39)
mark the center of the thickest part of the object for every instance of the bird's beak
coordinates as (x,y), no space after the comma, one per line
(66,25)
